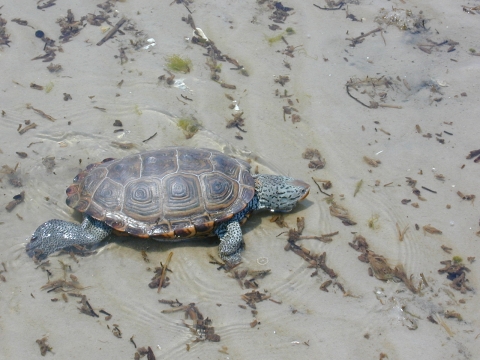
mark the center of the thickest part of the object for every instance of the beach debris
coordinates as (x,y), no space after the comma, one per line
(253,276)
(215,68)
(239,276)
(123,56)
(466,197)
(40,112)
(116,331)
(14,178)
(446,249)
(107,5)
(214,54)
(379,266)
(373,88)
(316,261)
(372,222)
(253,297)
(4,36)
(295,118)
(411,182)
(142,351)
(456,272)
(474,154)
(63,285)
(279,16)
(401,233)
(2,278)
(112,31)
(46,4)
(44,347)
(471,9)
(403,19)
(189,125)
(371,162)
(150,137)
(97,19)
(117,123)
(227,86)
(49,50)
(22,22)
(17,199)
(123,145)
(325,285)
(359,39)
(179,84)
(358,186)
(316,159)
(326,184)
(69,27)
(169,80)
(201,326)
(274,39)
(282,79)
(287,110)
(452,314)
(176,63)
(88,310)
(341,213)
(133,341)
(246,277)
(431,230)
(289,50)
(238,122)
(278,5)
(428,48)
(49,163)
(332,5)
(279,219)
(54,68)
(108,317)
(295,235)
(160,279)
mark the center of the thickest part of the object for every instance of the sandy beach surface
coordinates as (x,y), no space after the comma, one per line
(374,104)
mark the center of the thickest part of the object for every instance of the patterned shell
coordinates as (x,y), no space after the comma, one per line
(168,193)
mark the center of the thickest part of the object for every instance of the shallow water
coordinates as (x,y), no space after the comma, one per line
(372,316)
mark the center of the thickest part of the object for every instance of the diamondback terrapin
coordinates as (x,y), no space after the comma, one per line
(168,195)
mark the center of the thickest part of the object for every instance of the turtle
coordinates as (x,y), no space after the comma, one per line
(168,194)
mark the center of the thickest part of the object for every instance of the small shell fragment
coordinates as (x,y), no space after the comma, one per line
(199,32)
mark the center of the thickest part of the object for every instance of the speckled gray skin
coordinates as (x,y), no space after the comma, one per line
(58,234)
(272,192)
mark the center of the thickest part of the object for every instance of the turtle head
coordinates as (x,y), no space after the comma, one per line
(279,193)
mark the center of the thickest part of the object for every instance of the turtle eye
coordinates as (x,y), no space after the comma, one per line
(33,238)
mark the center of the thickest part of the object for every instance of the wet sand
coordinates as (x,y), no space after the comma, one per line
(415,76)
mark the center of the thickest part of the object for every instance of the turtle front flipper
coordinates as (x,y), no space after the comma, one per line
(58,234)
(231,241)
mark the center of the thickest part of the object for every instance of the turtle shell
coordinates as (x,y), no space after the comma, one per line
(174,192)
